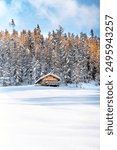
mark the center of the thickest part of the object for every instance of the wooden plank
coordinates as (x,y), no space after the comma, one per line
(50,78)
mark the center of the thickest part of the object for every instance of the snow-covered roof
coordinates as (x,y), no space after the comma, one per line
(49,74)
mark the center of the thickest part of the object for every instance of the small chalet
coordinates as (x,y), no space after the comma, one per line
(48,80)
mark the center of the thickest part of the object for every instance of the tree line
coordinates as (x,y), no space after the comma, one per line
(26,56)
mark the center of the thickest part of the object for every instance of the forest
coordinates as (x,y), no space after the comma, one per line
(28,55)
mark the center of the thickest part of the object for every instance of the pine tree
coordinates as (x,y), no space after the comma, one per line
(26,57)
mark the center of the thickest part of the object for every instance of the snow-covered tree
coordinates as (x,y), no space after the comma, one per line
(27,56)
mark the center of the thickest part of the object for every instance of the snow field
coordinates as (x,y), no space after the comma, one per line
(44,118)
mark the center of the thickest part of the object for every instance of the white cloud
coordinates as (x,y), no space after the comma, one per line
(69,14)
(7,12)
(88,16)
(16,6)
(3,9)
(66,12)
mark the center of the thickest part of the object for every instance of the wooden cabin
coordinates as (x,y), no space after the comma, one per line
(48,80)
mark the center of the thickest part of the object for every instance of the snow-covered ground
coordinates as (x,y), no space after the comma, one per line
(49,118)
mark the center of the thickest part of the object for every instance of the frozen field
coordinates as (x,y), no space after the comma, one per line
(46,118)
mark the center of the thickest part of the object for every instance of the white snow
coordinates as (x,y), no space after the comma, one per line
(49,118)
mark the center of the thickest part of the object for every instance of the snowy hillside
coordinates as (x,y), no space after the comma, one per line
(49,118)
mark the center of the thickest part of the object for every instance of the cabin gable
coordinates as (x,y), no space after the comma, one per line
(48,80)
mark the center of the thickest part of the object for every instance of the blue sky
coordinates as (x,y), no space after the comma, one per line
(74,16)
